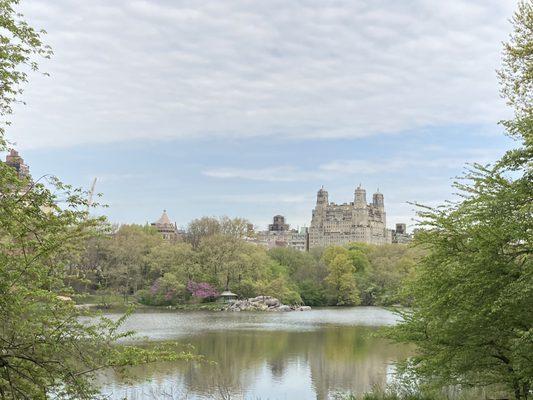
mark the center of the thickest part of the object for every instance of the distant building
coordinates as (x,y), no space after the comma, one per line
(278,224)
(167,229)
(14,160)
(401,229)
(400,235)
(279,234)
(299,240)
(337,224)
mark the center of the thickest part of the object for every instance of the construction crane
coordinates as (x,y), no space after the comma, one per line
(91,194)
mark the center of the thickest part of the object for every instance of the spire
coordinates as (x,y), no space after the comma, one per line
(164,220)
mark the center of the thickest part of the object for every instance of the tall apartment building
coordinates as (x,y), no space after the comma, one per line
(357,221)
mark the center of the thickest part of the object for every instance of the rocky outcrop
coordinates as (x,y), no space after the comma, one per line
(263,303)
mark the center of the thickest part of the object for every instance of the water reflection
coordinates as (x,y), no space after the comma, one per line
(269,356)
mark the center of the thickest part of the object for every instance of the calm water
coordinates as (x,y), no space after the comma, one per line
(296,355)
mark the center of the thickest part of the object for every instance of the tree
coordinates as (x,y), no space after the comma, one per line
(204,227)
(473,293)
(128,257)
(201,228)
(20,47)
(308,273)
(342,287)
(236,227)
(178,258)
(46,349)
(391,265)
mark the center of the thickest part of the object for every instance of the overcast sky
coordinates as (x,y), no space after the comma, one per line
(246,108)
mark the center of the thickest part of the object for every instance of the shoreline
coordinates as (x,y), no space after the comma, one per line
(122,307)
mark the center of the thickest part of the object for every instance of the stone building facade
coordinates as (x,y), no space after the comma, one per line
(279,234)
(357,221)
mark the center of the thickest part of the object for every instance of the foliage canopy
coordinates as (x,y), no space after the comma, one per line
(472,294)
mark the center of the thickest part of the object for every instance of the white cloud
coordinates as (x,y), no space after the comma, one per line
(142,69)
(361,167)
(265,198)
(270,174)
(111,178)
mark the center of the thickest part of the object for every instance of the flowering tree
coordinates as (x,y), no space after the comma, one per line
(166,290)
(202,290)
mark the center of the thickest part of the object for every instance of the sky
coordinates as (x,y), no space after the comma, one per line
(246,108)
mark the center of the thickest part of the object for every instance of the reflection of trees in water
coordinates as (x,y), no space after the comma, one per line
(339,358)
(351,360)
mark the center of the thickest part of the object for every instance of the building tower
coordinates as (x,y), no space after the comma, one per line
(167,229)
(360,197)
(378,200)
(278,224)
(322,198)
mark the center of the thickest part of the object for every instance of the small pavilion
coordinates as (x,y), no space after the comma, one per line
(227,297)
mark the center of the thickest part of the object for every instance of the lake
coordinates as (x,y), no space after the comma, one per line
(294,355)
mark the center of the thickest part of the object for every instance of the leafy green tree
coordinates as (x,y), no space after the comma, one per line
(282,289)
(391,266)
(201,228)
(342,287)
(20,47)
(312,293)
(128,257)
(236,227)
(227,260)
(166,290)
(306,271)
(178,258)
(46,349)
(204,227)
(473,293)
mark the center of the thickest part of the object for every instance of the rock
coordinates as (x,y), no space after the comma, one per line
(263,303)
(273,302)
